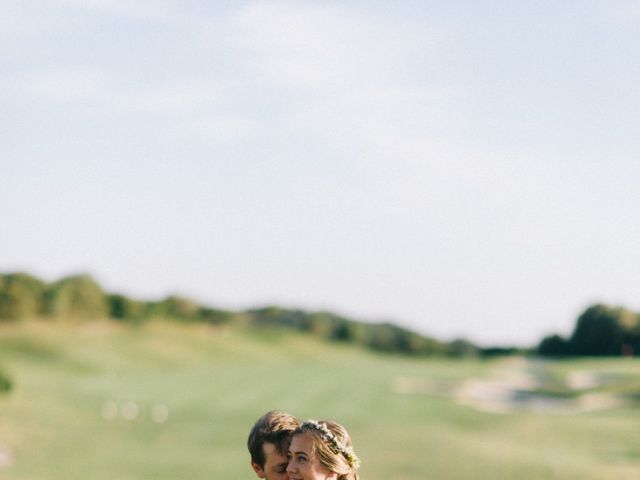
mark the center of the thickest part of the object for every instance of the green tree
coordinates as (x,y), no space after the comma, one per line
(462,348)
(175,306)
(77,296)
(122,307)
(21,296)
(215,316)
(554,346)
(597,332)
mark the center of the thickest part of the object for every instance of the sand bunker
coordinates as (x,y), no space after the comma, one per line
(516,386)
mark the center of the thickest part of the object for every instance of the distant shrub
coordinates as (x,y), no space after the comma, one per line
(323,325)
(387,337)
(21,296)
(176,307)
(5,382)
(215,316)
(462,348)
(276,316)
(488,352)
(124,308)
(383,337)
(341,331)
(76,296)
(554,346)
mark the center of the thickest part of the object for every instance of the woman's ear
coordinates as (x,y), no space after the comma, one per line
(332,476)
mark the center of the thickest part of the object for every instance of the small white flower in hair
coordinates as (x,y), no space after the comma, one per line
(336,445)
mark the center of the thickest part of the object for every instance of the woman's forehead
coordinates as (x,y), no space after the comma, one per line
(302,442)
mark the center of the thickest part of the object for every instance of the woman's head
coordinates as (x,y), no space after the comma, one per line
(322,450)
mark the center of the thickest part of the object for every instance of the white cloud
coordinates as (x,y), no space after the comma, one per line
(217,128)
(58,85)
(626,11)
(156,10)
(345,67)
(327,46)
(384,119)
(107,90)
(176,97)
(14,22)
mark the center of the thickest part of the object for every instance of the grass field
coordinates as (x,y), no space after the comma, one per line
(164,401)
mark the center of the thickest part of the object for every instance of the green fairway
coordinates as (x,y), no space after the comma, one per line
(165,401)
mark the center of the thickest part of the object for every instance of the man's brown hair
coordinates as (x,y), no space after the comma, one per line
(273,427)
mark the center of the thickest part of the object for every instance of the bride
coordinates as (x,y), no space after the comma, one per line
(322,450)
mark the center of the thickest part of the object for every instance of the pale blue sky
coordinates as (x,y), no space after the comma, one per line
(462,168)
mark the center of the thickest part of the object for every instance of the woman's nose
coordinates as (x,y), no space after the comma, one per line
(290,466)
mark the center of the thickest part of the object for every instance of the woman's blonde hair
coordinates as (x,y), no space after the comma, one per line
(332,445)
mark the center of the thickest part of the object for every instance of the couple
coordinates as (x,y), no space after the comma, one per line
(284,448)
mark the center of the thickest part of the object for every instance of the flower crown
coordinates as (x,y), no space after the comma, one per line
(336,446)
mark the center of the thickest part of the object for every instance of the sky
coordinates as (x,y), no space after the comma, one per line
(465,169)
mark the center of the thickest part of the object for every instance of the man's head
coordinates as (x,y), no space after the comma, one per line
(268,444)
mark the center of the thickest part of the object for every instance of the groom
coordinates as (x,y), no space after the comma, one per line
(268,444)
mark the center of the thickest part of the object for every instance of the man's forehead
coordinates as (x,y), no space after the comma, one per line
(270,449)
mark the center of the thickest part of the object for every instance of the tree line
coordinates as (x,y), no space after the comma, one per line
(601,330)
(81,297)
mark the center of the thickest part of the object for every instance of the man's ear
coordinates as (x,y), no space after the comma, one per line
(258,469)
